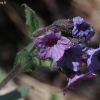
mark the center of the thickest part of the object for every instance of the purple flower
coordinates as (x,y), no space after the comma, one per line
(52,45)
(92,60)
(82,29)
(72,57)
(75,79)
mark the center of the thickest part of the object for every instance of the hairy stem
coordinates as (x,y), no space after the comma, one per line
(10,75)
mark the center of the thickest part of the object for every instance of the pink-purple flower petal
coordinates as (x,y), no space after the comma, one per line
(92,60)
(52,44)
(75,79)
(72,57)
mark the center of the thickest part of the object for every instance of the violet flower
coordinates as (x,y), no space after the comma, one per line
(72,57)
(82,29)
(75,79)
(52,44)
(92,60)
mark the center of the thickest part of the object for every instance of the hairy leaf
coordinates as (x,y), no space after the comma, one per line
(32,21)
(25,60)
(29,47)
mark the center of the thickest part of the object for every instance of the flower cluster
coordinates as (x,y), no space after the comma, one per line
(68,54)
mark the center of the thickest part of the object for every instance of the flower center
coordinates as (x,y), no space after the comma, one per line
(51,41)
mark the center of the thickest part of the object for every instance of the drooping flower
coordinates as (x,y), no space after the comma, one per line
(82,29)
(72,57)
(52,44)
(75,79)
(92,60)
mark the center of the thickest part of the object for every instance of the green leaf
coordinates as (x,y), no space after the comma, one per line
(16,94)
(0,76)
(29,47)
(25,60)
(53,97)
(32,21)
(17,59)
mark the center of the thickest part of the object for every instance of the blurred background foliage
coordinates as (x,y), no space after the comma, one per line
(14,37)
